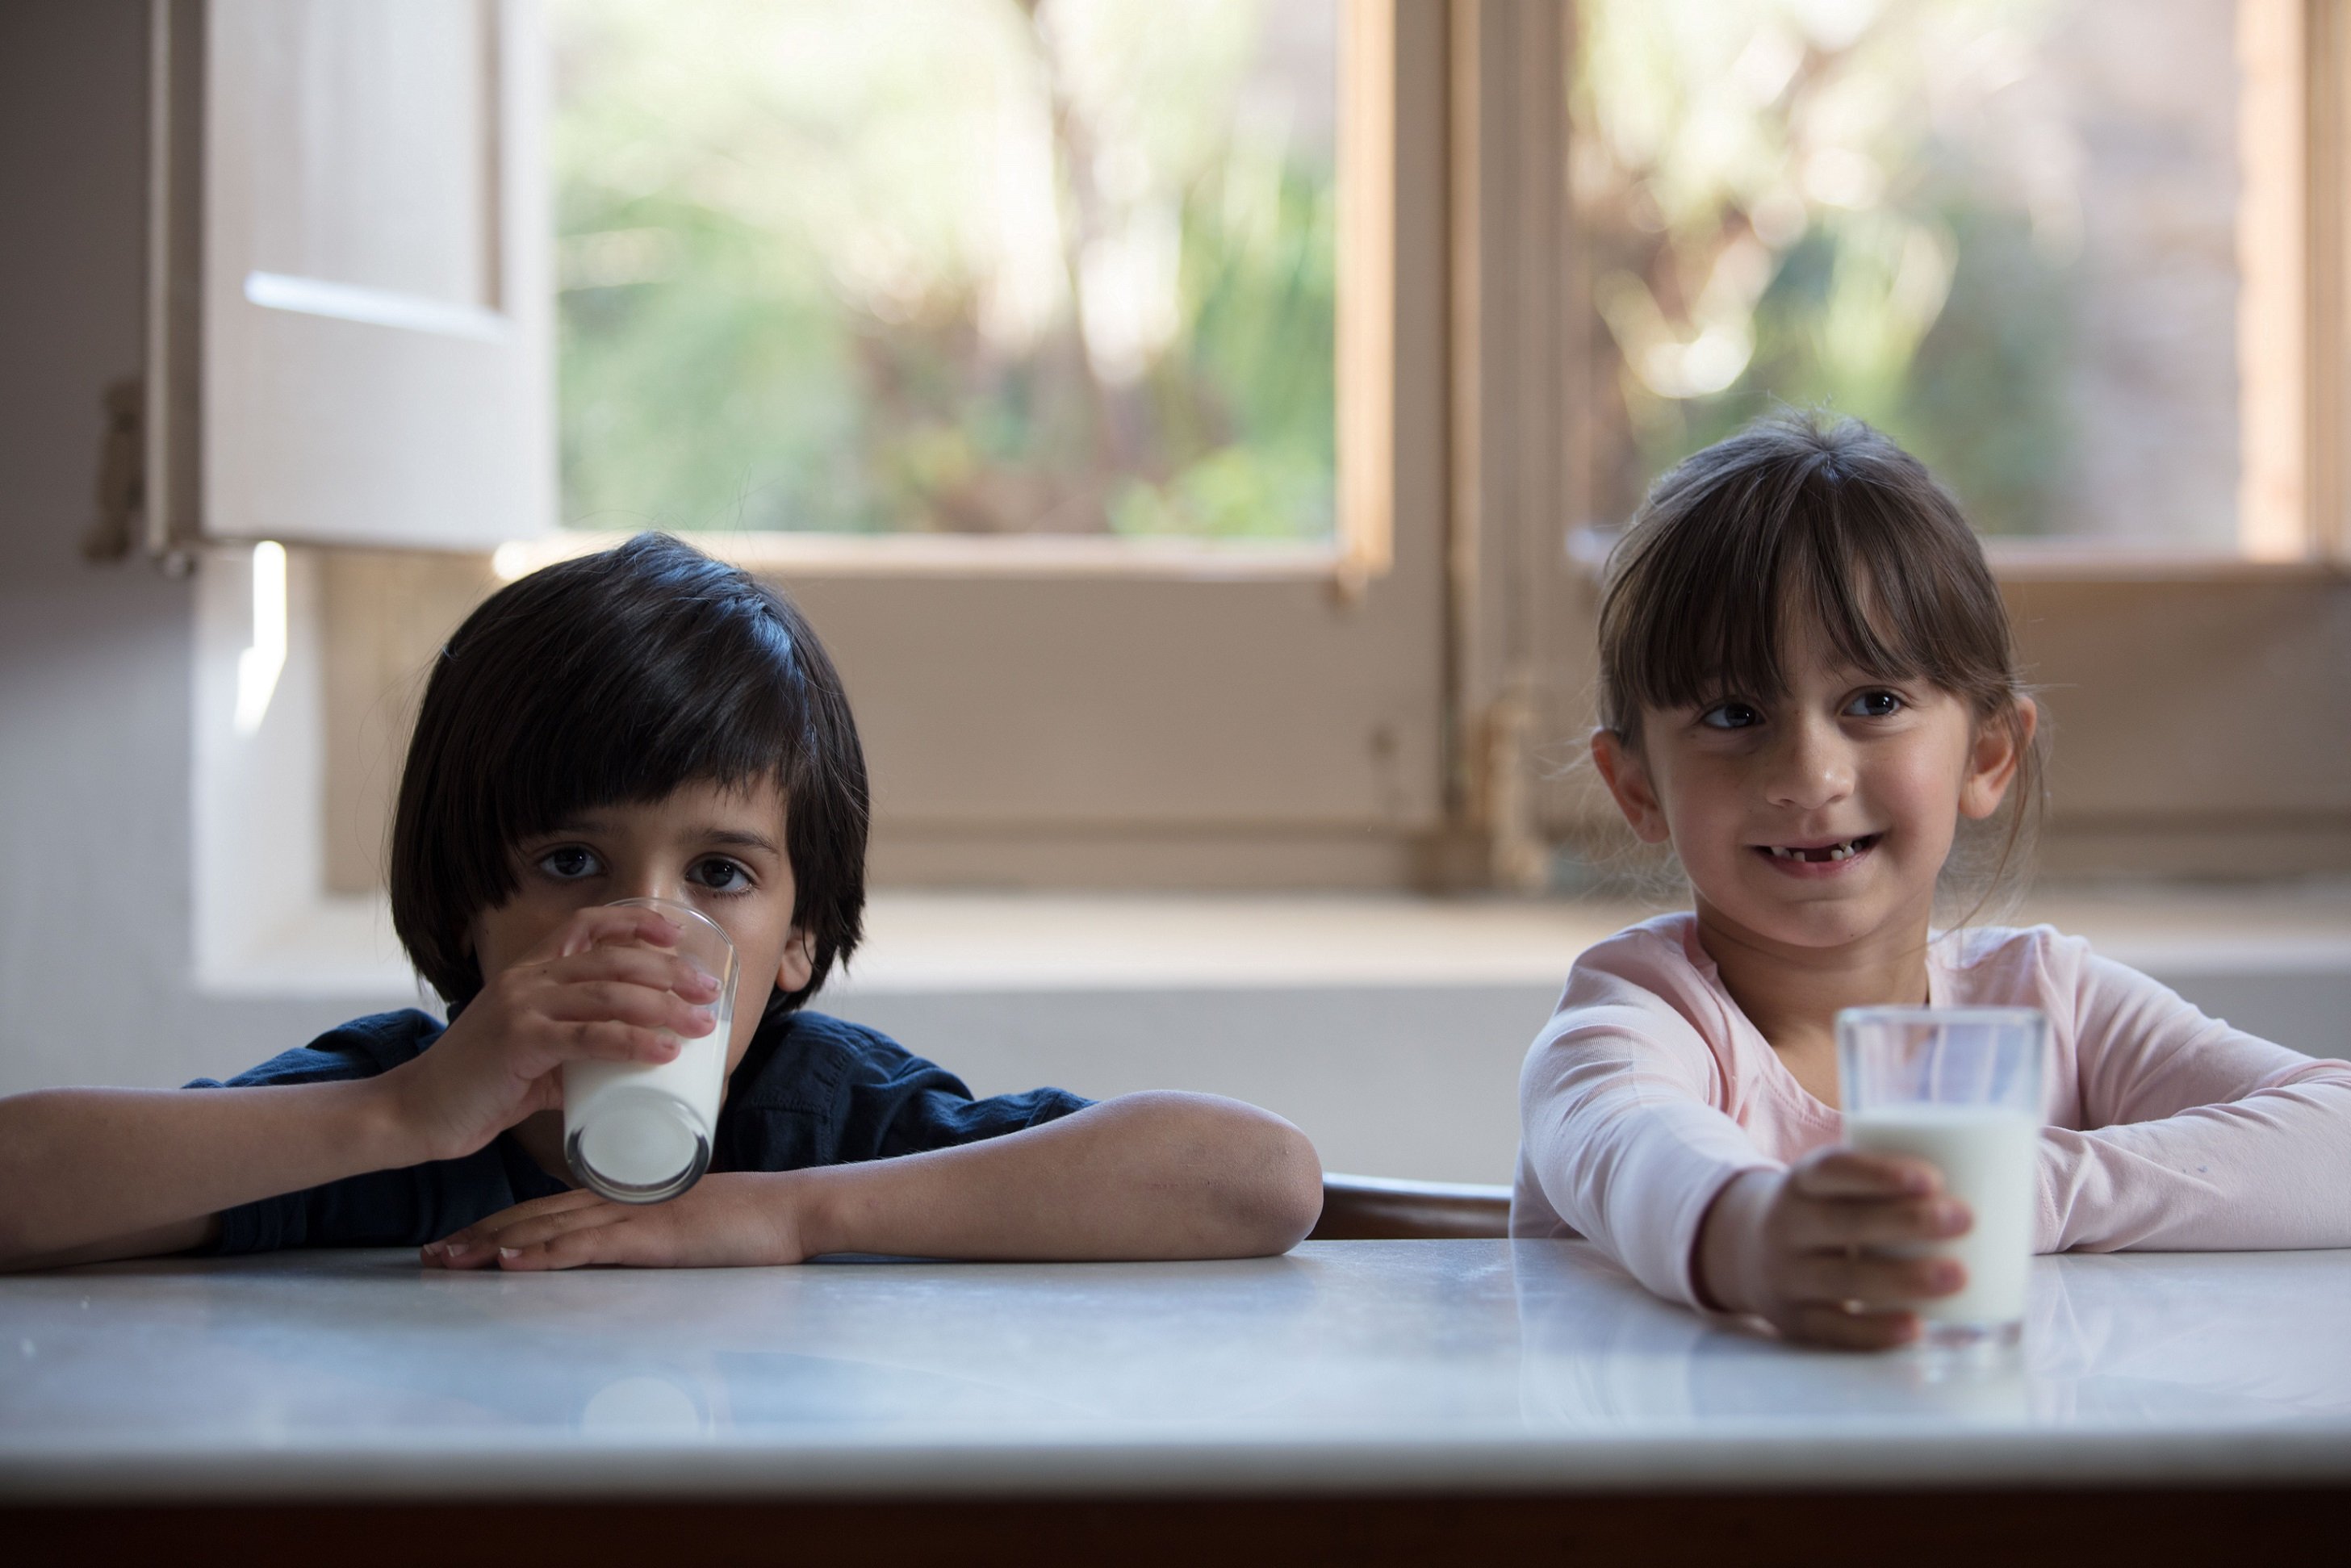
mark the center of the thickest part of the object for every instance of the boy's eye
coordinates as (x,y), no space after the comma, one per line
(721,875)
(569,862)
(1875,705)
(1731,715)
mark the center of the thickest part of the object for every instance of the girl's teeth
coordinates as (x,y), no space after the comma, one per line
(1843,851)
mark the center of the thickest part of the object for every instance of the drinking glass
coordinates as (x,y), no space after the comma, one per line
(1961,1088)
(641,1132)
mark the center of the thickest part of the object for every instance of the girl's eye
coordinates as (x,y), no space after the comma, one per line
(1875,705)
(569,864)
(721,875)
(1731,715)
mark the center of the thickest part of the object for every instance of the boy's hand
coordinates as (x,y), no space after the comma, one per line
(1798,1248)
(733,1219)
(602,987)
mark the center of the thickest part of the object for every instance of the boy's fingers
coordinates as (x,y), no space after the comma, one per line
(1850,1173)
(483,1235)
(617,1001)
(1820,1324)
(539,1230)
(604,923)
(1865,1222)
(651,967)
(615,1243)
(1876,1281)
(612,1042)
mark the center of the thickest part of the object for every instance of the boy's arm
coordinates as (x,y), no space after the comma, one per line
(1152,1175)
(87,1174)
(97,1174)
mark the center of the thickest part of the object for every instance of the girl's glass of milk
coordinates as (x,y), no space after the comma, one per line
(1961,1088)
(640,1132)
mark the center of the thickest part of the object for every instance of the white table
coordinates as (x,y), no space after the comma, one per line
(1371,1371)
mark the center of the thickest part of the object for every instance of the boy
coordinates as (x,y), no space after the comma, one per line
(644,723)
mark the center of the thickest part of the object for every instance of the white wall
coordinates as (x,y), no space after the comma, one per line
(94,685)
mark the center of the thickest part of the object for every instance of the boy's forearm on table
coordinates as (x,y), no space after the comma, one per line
(80,1166)
(1156,1175)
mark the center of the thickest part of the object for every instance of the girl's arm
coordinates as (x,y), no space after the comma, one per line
(2193,1135)
(1152,1175)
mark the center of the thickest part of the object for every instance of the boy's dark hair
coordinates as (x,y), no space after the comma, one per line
(1828,520)
(614,679)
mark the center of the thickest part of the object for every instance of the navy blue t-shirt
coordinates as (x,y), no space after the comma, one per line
(810,1091)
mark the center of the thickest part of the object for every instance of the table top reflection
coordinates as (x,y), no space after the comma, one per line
(1342,1365)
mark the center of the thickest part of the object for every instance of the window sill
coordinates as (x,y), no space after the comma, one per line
(936,942)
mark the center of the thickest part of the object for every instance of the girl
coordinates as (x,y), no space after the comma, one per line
(646,722)
(1808,691)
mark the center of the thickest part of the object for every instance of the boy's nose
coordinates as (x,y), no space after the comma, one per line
(650,882)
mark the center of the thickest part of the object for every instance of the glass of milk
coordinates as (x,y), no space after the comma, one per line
(1961,1088)
(640,1132)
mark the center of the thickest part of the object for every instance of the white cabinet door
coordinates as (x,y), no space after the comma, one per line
(350,337)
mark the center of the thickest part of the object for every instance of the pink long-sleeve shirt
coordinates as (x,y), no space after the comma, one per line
(1649,1089)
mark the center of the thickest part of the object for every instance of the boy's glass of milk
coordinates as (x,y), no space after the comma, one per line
(1962,1089)
(640,1132)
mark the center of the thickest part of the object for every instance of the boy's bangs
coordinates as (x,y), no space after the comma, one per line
(617,730)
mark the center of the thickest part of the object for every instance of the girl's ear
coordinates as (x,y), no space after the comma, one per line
(798,964)
(2001,742)
(1627,777)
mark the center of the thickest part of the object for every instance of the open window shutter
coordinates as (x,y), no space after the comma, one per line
(351,341)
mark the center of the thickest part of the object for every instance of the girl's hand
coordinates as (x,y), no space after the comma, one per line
(603,988)
(1799,1247)
(735,1220)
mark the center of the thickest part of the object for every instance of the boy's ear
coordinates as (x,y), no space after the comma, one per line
(1627,777)
(798,964)
(1998,751)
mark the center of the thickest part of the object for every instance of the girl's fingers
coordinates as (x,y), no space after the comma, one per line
(1820,1323)
(1876,1281)
(1850,1173)
(1860,1222)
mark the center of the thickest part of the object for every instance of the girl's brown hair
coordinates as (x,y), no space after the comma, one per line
(1831,522)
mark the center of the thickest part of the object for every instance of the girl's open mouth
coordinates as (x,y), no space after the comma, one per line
(1819,855)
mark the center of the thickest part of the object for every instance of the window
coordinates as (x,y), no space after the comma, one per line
(1336,642)
(2055,247)
(948,266)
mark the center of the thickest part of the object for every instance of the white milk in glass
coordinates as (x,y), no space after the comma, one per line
(1988,1155)
(640,1132)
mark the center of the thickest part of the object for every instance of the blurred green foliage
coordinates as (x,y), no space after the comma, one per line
(1847,208)
(941,265)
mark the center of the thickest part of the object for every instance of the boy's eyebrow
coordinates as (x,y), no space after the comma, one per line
(740,837)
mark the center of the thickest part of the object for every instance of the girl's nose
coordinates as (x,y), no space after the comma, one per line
(1811,769)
